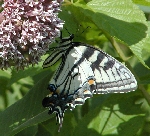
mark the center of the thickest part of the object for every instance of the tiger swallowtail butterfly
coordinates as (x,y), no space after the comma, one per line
(84,71)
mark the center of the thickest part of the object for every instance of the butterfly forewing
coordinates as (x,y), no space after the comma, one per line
(52,59)
(56,54)
(72,74)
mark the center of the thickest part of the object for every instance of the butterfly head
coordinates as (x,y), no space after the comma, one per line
(57,103)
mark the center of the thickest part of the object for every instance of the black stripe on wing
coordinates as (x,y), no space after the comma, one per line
(53,58)
(111,75)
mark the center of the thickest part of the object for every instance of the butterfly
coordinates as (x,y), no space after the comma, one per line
(84,70)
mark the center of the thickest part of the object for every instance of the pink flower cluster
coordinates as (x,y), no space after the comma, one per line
(27,29)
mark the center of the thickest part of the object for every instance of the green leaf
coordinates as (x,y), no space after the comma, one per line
(121,19)
(17,75)
(27,111)
(142,49)
(30,131)
(4,78)
(113,116)
(69,122)
(142,2)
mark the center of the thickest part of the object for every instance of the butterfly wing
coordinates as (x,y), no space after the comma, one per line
(73,72)
(111,75)
(84,70)
(70,85)
(56,54)
(52,59)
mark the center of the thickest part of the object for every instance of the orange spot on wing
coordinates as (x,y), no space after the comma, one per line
(85,91)
(57,91)
(51,93)
(91,82)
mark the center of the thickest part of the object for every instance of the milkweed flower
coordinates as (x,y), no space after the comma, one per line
(26,30)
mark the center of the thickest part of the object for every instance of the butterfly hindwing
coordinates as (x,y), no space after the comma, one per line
(111,75)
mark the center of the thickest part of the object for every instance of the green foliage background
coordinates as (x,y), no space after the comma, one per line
(120,28)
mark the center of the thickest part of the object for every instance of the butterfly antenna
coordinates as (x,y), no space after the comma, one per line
(85,29)
(68,31)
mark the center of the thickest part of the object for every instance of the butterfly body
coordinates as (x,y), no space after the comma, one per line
(84,71)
